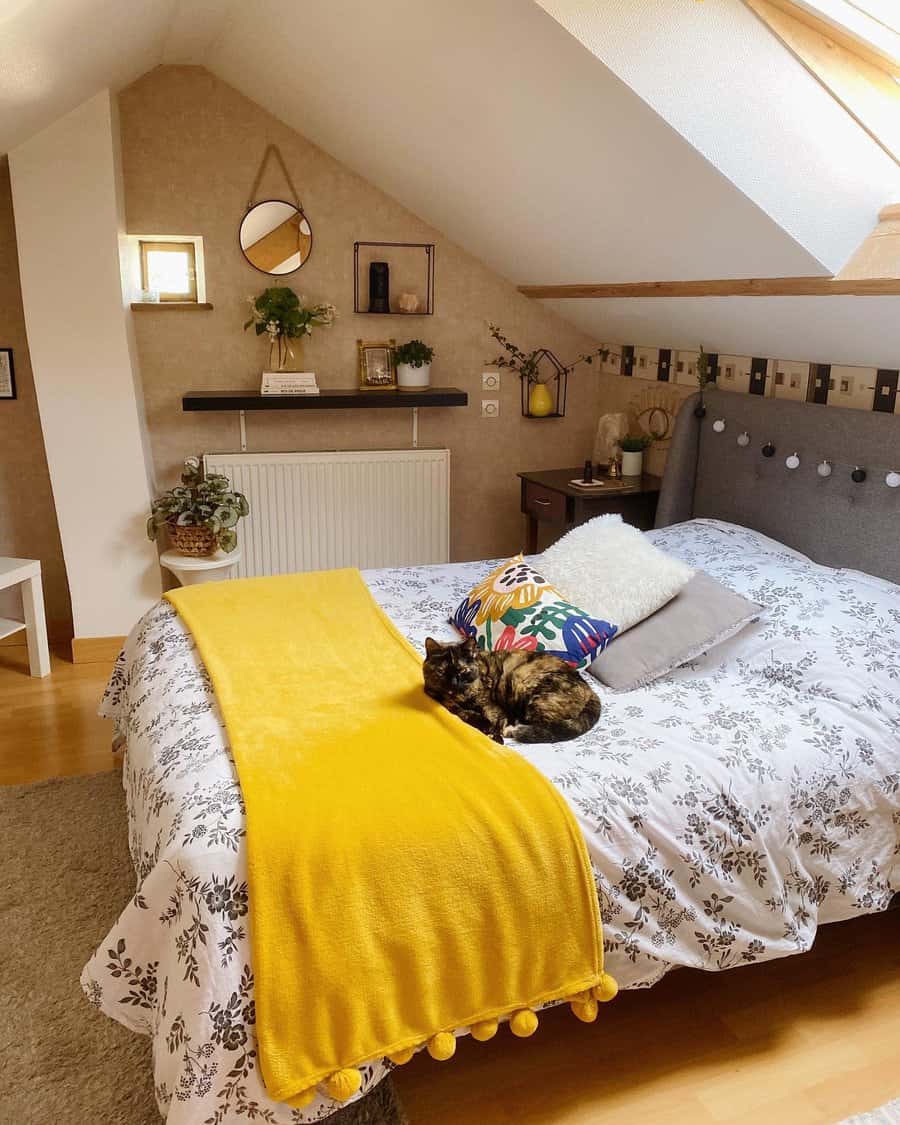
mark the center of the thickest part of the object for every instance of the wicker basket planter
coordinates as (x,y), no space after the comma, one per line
(197,542)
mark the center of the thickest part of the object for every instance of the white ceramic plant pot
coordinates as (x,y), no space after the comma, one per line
(632,463)
(413,378)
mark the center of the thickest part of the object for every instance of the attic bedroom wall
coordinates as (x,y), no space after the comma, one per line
(191,146)
(28,527)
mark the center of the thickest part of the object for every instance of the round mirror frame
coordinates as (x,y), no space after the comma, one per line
(303,218)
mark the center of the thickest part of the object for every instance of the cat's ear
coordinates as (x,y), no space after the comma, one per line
(470,644)
(431,646)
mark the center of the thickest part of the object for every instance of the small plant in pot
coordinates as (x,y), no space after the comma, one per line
(413,362)
(633,446)
(201,514)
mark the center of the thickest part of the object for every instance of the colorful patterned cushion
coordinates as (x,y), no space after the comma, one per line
(515,607)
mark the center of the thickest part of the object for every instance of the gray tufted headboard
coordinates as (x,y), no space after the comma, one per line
(833,520)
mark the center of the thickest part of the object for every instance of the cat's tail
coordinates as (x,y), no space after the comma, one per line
(557,732)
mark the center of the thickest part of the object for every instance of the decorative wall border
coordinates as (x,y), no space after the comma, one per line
(856,388)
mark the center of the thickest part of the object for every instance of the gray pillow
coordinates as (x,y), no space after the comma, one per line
(701,616)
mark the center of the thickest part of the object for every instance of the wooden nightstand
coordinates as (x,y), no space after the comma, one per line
(548,498)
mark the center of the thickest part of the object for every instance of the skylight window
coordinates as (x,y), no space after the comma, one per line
(872,25)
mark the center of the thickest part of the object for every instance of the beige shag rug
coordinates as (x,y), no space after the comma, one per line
(64,876)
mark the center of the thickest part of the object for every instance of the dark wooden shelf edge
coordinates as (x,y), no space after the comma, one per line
(342,399)
(181,306)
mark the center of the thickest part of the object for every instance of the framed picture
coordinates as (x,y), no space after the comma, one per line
(7,374)
(376,365)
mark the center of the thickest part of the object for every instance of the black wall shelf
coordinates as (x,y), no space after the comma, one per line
(343,399)
(426,247)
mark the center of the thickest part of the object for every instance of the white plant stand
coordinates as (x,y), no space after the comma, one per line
(190,571)
(27,574)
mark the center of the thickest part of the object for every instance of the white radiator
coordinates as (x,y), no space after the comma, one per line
(315,511)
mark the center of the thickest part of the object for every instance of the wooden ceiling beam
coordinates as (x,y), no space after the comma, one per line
(727,287)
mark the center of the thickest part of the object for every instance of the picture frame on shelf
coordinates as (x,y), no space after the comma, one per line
(377,371)
(7,374)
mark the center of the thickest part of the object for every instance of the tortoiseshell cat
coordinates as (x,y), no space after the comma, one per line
(528,696)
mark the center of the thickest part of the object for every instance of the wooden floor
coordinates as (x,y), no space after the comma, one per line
(804,1041)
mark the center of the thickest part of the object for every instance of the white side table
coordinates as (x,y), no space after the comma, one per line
(189,570)
(27,574)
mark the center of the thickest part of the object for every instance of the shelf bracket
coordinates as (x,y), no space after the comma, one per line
(242,417)
(415,433)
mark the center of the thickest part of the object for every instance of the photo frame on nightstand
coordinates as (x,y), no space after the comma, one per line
(7,374)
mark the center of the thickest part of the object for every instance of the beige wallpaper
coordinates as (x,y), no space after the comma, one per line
(191,148)
(28,526)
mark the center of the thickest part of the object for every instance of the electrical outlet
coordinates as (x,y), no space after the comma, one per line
(490,408)
(490,380)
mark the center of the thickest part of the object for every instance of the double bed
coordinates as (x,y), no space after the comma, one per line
(729,808)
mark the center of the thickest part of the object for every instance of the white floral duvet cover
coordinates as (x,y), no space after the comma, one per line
(729,808)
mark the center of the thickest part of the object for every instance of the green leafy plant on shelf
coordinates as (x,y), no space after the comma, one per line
(414,353)
(283,316)
(635,443)
(200,514)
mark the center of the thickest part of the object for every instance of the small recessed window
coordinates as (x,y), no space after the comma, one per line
(169,269)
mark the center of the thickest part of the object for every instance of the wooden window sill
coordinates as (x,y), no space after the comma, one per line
(183,306)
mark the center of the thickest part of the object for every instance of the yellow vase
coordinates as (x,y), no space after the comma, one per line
(540,401)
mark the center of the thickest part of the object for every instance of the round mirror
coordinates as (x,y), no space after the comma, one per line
(275,237)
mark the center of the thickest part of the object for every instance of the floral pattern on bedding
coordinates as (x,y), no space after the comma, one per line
(729,807)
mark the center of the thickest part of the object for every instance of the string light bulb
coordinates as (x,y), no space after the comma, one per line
(824,468)
(743,439)
(768,450)
(858,475)
(892,480)
(719,425)
(792,462)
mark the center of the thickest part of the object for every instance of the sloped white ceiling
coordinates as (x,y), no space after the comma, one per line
(640,141)
(55,54)
(488,119)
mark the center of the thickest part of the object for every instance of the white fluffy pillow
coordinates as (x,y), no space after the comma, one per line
(612,571)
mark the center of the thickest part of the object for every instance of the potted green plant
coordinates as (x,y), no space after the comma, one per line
(633,446)
(413,361)
(201,514)
(283,316)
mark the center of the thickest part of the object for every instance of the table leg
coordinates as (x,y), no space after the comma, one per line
(531,535)
(36,626)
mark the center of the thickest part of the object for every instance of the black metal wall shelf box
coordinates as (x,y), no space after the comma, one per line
(344,399)
(427,249)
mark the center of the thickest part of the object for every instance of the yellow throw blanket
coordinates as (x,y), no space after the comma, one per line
(407,876)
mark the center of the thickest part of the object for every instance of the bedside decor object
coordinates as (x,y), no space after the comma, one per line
(413,362)
(611,428)
(516,608)
(543,377)
(200,514)
(375,262)
(284,317)
(275,236)
(376,365)
(633,446)
(7,374)
(379,287)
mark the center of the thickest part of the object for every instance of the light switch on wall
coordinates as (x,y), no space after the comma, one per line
(490,408)
(490,380)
